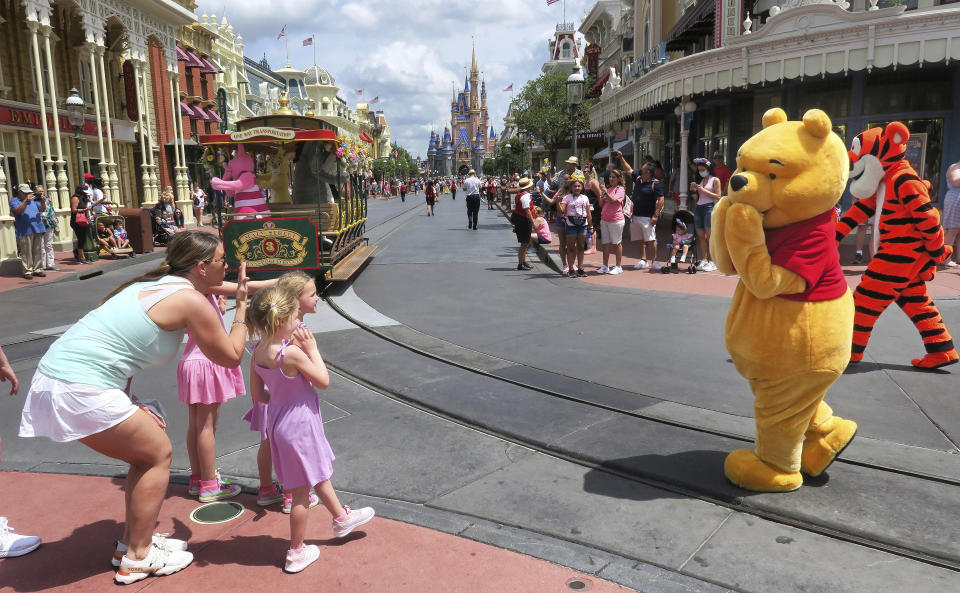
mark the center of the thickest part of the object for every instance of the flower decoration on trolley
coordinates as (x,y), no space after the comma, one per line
(702,161)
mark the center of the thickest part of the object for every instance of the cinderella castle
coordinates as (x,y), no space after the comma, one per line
(469,138)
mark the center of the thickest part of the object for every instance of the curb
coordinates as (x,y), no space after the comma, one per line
(95,271)
(543,253)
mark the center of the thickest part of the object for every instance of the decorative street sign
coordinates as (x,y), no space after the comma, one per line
(271,244)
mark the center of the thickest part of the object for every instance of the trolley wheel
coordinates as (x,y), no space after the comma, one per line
(692,270)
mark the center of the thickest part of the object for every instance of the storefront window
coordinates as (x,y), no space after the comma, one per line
(924,150)
(900,92)
(831,97)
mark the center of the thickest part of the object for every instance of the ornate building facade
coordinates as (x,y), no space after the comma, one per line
(469,139)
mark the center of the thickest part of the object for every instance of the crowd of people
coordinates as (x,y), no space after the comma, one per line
(589,208)
(81,392)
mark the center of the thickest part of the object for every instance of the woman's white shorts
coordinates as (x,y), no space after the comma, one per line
(611,232)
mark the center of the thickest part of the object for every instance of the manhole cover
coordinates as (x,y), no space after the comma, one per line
(578,584)
(216,512)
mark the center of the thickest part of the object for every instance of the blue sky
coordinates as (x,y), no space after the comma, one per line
(407,52)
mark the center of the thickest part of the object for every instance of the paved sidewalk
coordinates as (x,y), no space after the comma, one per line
(71,270)
(78,531)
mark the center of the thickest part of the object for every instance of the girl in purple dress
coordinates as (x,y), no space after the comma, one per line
(269,492)
(286,369)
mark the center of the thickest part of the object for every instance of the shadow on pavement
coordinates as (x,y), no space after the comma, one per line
(700,470)
(868,367)
(83,554)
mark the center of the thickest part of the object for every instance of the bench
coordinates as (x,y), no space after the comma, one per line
(349,265)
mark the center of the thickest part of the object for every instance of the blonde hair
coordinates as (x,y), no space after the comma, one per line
(267,308)
(184,251)
(538,211)
(294,281)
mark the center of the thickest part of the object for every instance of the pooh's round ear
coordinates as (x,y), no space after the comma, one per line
(897,132)
(817,123)
(774,116)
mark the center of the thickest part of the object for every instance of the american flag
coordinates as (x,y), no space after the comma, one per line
(549,2)
(509,87)
(375,100)
(283,32)
(308,41)
(359,91)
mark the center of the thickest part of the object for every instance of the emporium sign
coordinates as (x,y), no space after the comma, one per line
(271,244)
(263,133)
(28,118)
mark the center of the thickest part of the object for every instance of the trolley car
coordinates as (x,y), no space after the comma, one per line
(318,211)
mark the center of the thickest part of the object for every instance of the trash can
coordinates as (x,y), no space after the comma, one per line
(139,223)
(87,244)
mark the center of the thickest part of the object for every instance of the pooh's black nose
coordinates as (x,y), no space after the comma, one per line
(737,182)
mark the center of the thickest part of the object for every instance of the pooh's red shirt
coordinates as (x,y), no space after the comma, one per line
(809,249)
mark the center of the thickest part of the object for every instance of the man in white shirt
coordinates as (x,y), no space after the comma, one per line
(471,187)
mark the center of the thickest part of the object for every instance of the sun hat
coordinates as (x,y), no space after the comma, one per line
(572,161)
(25,188)
(525,183)
(472,172)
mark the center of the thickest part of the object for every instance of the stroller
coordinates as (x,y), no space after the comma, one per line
(684,218)
(160,234)
(108,221)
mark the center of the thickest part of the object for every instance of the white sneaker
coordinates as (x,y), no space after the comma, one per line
(159,562)
(701,265)
(951,264)
(12,544)
(603,270)
(159,539)
(640,265)
(710,267)
(354,519)
(683,259)
(616,270)
(297,560)
(657,265)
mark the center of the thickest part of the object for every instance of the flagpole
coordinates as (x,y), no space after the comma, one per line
(286,47)
(313,42)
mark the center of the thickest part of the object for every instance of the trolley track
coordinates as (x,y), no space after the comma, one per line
(734,503)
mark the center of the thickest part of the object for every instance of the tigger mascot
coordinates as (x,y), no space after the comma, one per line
(907,242)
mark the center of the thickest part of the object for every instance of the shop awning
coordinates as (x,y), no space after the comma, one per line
(213,115)
(691,23)
(192,60)
(182,55)
(209,66)
(603,154)
(366,138)
(187,110)
(624,146)
(597,86)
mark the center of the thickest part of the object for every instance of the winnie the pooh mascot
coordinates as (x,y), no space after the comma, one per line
(791,320)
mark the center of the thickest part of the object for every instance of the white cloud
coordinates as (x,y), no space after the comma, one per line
(405,51)
(360,15)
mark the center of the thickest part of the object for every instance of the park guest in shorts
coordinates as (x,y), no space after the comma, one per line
(522,219)
(647,201)
(611,221)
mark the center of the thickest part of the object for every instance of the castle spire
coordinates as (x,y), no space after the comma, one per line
(473,68)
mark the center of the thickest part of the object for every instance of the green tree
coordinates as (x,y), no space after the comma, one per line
(541,108)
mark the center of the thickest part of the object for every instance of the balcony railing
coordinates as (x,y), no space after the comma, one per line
(566,26)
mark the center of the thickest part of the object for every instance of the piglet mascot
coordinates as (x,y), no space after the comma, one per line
(240,182)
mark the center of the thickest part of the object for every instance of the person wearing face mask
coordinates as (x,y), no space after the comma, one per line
(706,192)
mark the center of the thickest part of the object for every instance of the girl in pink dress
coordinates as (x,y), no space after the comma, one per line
(204,385)
(269,492)
(285,376)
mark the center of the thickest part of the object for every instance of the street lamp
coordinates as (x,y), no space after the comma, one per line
(574,99)
(74,107)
